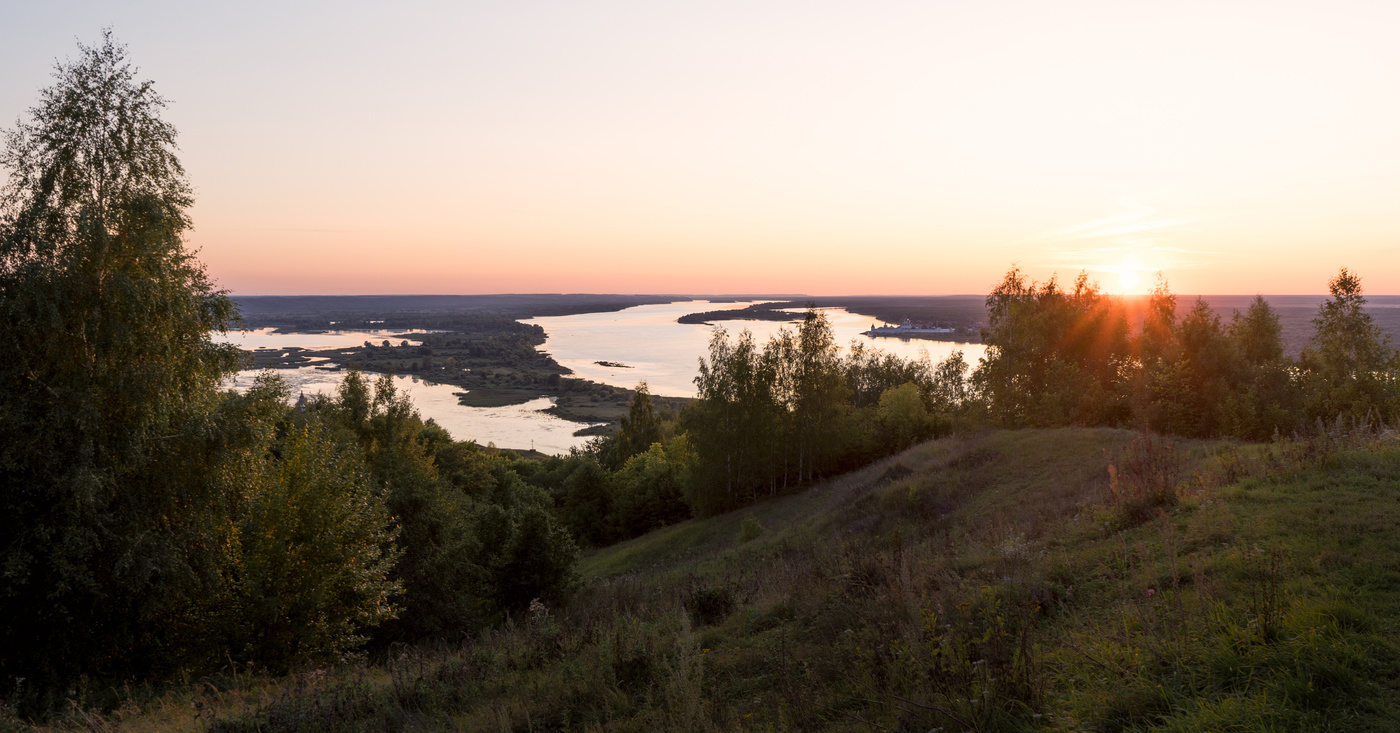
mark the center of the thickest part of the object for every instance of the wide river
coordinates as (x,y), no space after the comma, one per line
(647,339)
(666,355)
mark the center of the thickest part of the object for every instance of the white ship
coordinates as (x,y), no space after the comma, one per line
(904,329)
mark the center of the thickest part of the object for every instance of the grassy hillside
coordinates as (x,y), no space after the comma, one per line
(1041,580)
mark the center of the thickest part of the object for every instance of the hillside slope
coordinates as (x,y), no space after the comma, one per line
(1004,581)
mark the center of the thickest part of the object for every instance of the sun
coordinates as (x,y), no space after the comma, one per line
(1128,279)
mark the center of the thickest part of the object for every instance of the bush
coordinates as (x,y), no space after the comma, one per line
(649,491)
(522,552)
(709,604)
(902,417)
(313,561)
(1143,478)
(750,529)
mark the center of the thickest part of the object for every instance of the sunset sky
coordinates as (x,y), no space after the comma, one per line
(743,147)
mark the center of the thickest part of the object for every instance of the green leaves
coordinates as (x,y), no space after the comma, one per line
(314,554)
(1057,358)
(1349,367)
(111,432)
(96,140)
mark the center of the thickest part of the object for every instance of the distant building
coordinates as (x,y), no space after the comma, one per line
(905,328)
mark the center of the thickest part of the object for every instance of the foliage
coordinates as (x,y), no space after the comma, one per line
(901,416)
(111,434)
(314,553)
(1080,358)
(640,428)
(433,519)
(152,521)
(738,422)
(750,529)
(649,490)
(477,541)
(1052,356)
(797,409)
(1259,602)
(1349,367)
(522,552)
(1263,397)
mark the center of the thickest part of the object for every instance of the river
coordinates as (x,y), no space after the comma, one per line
(654,348)
(646,339)
(512,426)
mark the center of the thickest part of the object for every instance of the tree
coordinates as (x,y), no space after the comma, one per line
(433,519)
(1349,367)
(1257,333)
(1053,356)
(1265,396)
(108,526)
(902,417)
(819,391)
(640,428)
(649,490)
(521,551)
(315,551)
(736,403)
(1157,338)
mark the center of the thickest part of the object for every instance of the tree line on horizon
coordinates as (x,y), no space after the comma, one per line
(1075,356)
(151,521)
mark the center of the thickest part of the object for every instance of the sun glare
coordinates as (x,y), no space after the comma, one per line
(1128,280)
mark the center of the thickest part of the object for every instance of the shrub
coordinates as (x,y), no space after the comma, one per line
(522,551)
(902,417)
(312,567)
(1142,478)
(709,604)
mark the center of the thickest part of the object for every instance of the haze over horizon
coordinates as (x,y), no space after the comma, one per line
(818,148)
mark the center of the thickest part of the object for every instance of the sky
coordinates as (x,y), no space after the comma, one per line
(827,148)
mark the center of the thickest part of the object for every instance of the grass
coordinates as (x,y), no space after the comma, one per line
(1003,581)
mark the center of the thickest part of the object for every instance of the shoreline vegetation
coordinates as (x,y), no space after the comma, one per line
(963,314)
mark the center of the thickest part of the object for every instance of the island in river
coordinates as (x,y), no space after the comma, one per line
(941,318)
(473,342)
(478,343)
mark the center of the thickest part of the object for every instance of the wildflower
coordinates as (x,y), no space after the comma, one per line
(1151,592)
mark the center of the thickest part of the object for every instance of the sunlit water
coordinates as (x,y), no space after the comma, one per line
(665,354)
(265,338)
(512,426)
(647,339)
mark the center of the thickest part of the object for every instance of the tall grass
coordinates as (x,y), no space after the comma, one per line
(1007,581)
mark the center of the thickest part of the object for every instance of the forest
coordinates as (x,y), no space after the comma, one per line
(155,524)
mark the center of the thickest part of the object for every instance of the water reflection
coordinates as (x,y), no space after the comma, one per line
(512,426)
(650,344)
(640,343)
(265,338)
